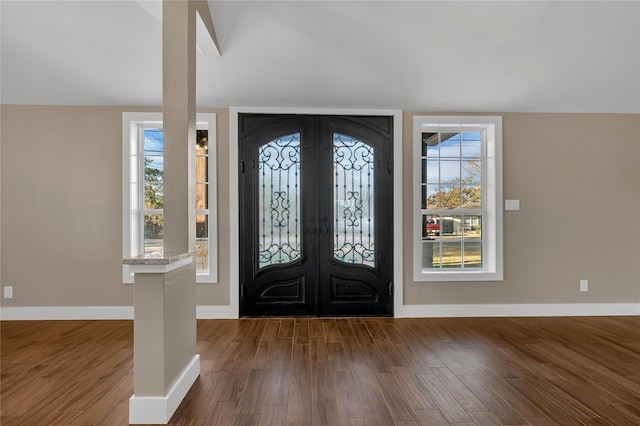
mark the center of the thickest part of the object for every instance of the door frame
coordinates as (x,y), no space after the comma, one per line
(234,201)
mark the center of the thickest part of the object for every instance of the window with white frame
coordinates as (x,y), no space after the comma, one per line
(143,169)
(457,223)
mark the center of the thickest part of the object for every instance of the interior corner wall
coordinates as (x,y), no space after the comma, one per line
(577,177)
(61,218)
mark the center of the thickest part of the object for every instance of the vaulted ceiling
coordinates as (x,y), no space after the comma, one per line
(549,56)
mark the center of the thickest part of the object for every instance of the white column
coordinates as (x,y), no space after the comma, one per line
(165,359)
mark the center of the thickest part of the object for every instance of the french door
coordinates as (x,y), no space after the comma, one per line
(315,215)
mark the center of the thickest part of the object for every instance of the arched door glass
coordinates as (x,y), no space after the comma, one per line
(279,201)
(353,170)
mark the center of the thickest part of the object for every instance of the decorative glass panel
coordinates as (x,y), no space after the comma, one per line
(279,211)
(353,166)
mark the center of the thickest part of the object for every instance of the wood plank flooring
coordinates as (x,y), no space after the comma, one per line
(344,371)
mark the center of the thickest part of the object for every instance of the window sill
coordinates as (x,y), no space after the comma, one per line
(154,263)
(432,276)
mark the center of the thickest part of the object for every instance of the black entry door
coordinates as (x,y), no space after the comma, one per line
(315,215)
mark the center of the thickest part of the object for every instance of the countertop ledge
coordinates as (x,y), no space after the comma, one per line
(158,258)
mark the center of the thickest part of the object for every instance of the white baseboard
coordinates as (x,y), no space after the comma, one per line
(216,312)
(67,313)
(98,312)
(404,311)
(159,409)
(519,310)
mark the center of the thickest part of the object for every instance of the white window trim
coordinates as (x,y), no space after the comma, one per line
(131,189)
(492,244)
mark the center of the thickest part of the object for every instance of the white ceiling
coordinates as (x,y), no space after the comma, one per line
(577,56)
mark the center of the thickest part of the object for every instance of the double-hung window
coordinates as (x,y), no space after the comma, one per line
(143,214)
(457,198)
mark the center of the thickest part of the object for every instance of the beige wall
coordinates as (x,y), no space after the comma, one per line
(576,175)
(61,176)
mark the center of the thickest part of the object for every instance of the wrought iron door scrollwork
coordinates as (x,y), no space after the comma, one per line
(279,201)
(353,165)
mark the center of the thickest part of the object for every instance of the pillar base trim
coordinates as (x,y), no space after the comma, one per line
(159,409)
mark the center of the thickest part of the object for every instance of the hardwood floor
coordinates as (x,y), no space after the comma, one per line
(355,371)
